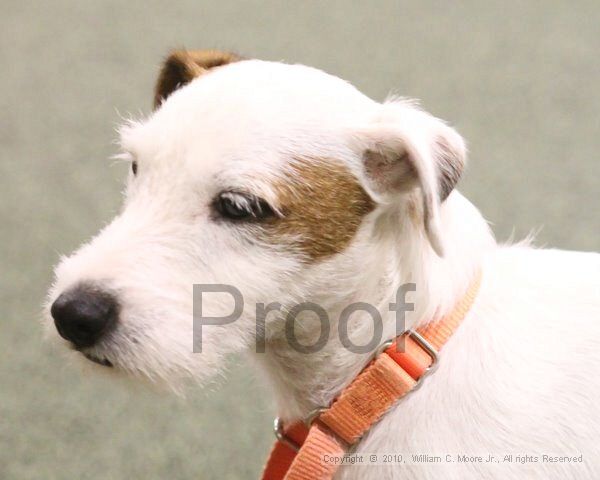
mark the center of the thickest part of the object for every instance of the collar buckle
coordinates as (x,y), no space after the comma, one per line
(432,352)
(423,343)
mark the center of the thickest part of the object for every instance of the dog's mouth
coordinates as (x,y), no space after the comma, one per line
(100,361)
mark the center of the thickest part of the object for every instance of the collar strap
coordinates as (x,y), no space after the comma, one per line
(394,372)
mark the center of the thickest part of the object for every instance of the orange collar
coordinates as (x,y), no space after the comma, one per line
(299,450)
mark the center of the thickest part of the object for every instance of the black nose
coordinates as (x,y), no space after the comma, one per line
(83,314)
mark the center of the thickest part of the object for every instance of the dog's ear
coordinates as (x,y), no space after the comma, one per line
(404,150)
(182,66)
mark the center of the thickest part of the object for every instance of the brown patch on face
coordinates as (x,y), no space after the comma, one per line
(182,66)
(322,206)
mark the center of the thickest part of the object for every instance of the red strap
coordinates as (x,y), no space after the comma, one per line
(386,379)
(282,455)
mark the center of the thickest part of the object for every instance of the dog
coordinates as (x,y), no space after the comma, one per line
(291,186)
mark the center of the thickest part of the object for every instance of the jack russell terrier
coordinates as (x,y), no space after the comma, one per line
(287,191)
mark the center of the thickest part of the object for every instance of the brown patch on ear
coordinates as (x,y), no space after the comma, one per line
(322,206)
(450,165)
(182,66)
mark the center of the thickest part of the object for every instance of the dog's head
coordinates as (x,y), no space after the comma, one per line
(279,180)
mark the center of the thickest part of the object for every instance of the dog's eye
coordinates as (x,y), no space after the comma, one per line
(134,167)
(240,206)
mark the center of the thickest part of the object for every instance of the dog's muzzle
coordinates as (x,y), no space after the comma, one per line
(85,314)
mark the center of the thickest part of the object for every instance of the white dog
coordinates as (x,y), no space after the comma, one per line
(291,186)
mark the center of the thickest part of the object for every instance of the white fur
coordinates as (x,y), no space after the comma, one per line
(518,377)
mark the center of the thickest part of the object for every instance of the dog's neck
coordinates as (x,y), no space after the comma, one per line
(304,381)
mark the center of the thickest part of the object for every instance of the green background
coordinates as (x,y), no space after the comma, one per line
(518,79)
